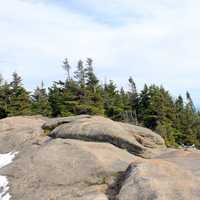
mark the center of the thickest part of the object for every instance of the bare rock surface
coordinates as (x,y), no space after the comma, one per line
(136,140)
(188,159)
(47,168)
(66,169)
(159,180)
(16,132)
(53,123)
(80,161)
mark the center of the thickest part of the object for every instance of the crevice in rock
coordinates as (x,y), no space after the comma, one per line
(118,142)
(115,188)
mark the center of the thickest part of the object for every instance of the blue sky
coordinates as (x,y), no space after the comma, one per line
(155,41)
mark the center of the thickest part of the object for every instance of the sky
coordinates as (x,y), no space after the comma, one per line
(155,41)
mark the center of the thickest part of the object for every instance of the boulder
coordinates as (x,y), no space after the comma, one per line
(157,179)
(94,158)
(66,169)
(17,132)
(134,139)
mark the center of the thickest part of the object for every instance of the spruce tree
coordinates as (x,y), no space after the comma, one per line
(80,74)
(87,95)
(56,100)
(93,90)
(66,66)
(113,104)
(91,79)
(133,99)
(180,115)
(176,120)
(144,103)
(125,99)
(4,98)
(40,103)
(189,122)
(20,103)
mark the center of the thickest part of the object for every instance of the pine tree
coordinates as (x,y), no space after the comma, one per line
(40,103)
(133,99)
(19,99)
(66,66)
(178,122)
(1,79)
(87,88)
(80,74)
(93,90)
(56,100)
(144,103)
(190,103)
(189,122)
(113,104)
(125,99)
(4,98)
(71,98)
(92,81)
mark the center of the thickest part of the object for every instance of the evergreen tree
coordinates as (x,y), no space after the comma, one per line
(190,103)
(56,100)
(1,79)
(80,74)
(5,93)
(40,103)
(133,99)
(4,98)
(19,99)
(189,122)
(113,104)
(66,66)
(93,90)
(133,94)
(92,81)
(144,103)
(176,120)
(125,99)
(71,98)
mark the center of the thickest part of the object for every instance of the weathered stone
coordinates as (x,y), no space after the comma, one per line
(136,140)
(50,124)
(65,169)
(57,167)
(160,180)
(16,132)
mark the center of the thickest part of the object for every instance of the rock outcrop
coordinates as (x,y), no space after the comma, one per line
(53,123)
(158,179)
(134,139)
(17,132)
(94,158)
(66,169)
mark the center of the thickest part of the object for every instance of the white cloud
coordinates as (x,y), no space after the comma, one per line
(156,41)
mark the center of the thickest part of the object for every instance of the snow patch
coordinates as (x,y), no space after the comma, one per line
(5,159)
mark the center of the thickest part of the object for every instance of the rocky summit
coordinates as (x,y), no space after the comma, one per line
(94,158)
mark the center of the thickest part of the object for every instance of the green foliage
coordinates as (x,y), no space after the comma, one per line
(168,133)
(112,101)
(176,120)
(56,100)
(40,102)
(4,98)
(19,102)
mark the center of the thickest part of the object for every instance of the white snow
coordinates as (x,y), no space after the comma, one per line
(5,159)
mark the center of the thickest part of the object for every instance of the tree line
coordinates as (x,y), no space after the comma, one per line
(176,120)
